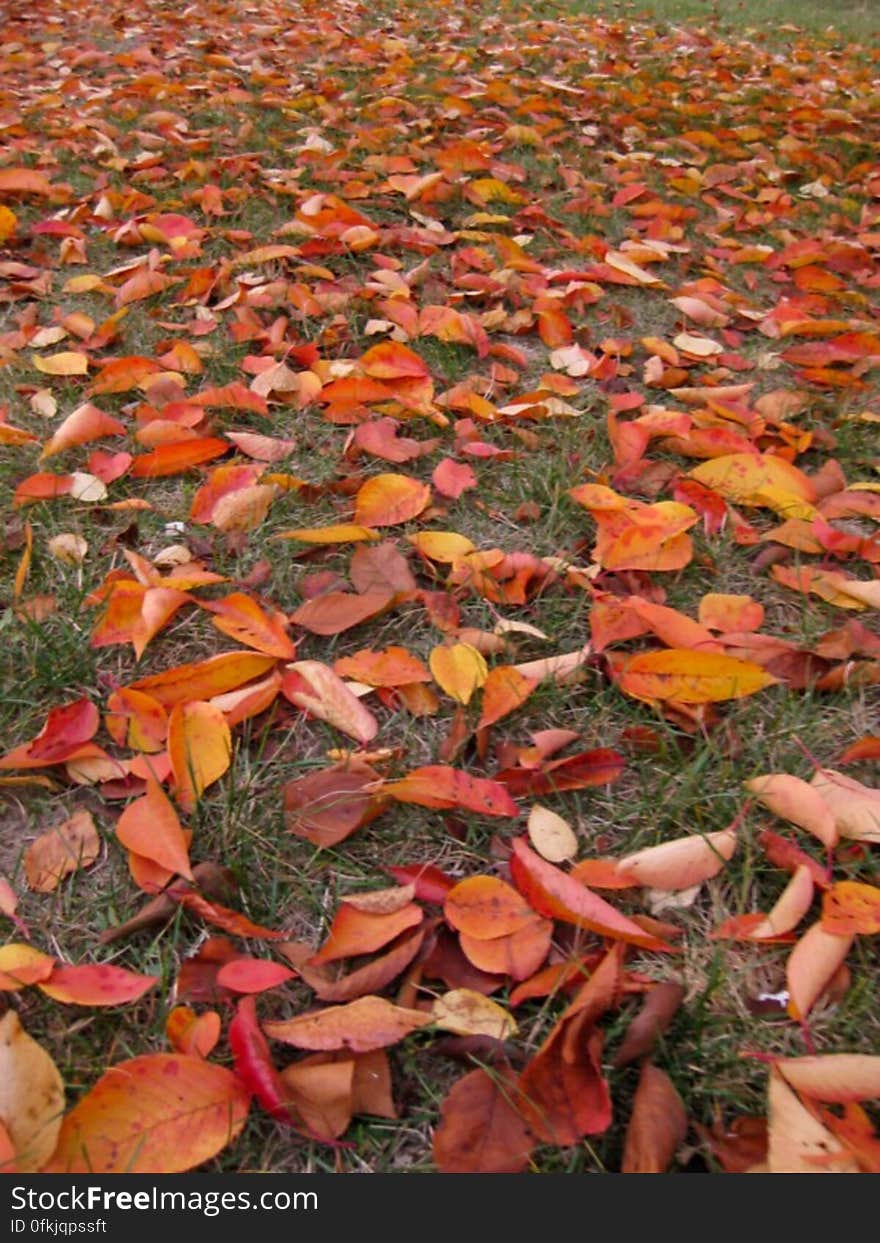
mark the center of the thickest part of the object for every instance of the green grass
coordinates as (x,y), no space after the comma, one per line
(648,99)
(853,19)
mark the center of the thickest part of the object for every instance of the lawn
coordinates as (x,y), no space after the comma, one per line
(399,352)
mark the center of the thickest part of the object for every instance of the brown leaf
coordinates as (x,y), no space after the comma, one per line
(66,848)
(658,1010)
(657,1126)
(480,1129)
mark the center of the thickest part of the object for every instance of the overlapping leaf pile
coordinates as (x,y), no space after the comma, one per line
(532,201)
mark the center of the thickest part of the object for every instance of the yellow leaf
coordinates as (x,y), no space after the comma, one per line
(199,748)
(444,546)
(68,548)
(338,533)
(31,1096)
(757,479)
(690,677)
(8,221)
(468,1013)
(68,362)
(460,670)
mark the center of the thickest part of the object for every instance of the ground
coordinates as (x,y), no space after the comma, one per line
(501,161)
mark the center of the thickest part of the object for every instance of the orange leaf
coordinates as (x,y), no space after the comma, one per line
(480,1130)
(811,966)
(681,863)
(392,361)
(314,687)
(242,618)
(336,611)
(386,500)
(338,533)
(362,1025)
(204,679)
(855,807)
(355,932)
(691,677)
(518,955)
(98,985)
(504,690)
(730,613)
(24,181)
(372,977)
(797,1142)
(244,509)
(173,459)
(435,785)
(120,375)
(253,975)
(149,827)
(321,1094)
(797,802)
(157,1114)
(136,720)
(327,806)
(66,848)
(21,965)
(788,911)
(563,1096)
(850,907)
(657,1126)
(485,907)
(555,895)
(66,730)
(86,423)
(394,666)
(757,479)
(199,747)
(834,1077)
(191,1033)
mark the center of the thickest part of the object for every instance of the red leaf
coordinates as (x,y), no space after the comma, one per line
(438,786)
(99,985)
(556,895)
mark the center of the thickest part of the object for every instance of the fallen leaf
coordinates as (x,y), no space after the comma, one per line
(362,1025)
(315,687)
(60,851)
(199,748)
(149,826)
(552,836)
(471,1014)
(161,1113)
(657,1127)
(100,985)
(811,966)
(691,677)
(31,1097)
(480,1130)
(681,863)
(555,895)
(797,1142)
